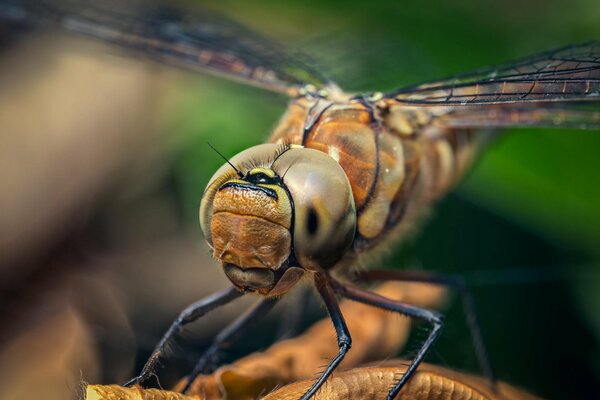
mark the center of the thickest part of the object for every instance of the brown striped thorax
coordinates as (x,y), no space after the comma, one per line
(339,175)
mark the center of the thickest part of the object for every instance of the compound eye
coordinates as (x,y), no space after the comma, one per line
(324,213)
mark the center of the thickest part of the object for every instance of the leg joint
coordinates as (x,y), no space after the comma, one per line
(187,316)
(437,318)
(345,341)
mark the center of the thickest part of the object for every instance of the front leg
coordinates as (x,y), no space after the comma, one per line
(452,281)
(190,314)
(373,299)
(229,335)
(343,335)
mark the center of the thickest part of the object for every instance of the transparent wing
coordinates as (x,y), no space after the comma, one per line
(534,115)
(567,74)
(550,115)
(194,40)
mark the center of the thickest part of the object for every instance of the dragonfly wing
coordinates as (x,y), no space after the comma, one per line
(537,115)
(193,40)
(567,74)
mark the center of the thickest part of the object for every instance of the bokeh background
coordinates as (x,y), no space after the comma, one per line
(103,162)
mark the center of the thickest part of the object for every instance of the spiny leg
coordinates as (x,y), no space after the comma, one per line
(190,314)
(343,335)
(455,282)
(434,318)
(229,335)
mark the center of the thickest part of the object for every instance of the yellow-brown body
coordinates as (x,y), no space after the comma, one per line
(397,164)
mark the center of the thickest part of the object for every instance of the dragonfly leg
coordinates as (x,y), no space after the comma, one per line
(455,282)
(343,335)
(229,335)
(430,316)
(190,314)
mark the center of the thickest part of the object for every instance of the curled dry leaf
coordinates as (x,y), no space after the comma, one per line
(364,383)
(428,383)
(116,392)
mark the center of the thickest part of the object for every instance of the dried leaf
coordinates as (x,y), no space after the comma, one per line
(366,383)
(428,383)
(115,392)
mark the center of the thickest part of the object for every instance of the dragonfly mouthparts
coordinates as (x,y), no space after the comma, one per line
(250,279)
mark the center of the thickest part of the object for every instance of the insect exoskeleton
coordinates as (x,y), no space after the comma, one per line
(280,212)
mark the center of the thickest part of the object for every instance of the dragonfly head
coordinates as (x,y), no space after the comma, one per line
(274,212)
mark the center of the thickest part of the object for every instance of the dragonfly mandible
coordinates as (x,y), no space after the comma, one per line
(343,174)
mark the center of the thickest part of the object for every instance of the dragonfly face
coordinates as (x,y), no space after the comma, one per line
(274,211)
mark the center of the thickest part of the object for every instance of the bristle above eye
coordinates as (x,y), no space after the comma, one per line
(282,148)
(265,161)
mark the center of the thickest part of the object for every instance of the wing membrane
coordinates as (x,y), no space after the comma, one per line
(191,40)
(503,117)
(568,74)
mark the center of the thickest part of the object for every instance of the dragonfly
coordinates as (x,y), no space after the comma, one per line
(343,175)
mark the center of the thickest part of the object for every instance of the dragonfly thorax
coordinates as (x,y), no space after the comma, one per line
(275,212)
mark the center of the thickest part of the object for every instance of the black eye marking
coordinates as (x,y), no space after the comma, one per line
(312,221)
(262,178)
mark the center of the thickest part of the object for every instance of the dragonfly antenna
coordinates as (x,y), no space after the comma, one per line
(226,160)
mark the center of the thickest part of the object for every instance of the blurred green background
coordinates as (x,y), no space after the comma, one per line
(523,228)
